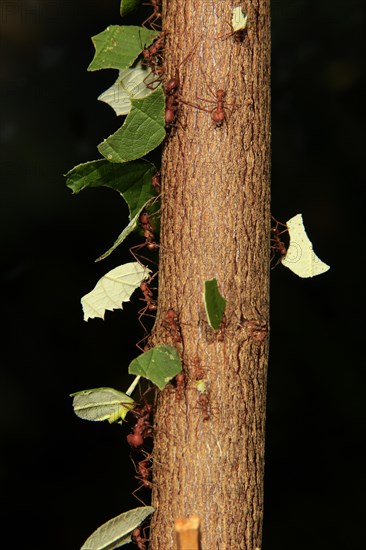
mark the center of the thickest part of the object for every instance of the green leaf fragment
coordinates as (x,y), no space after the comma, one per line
(101,404)
(117,47)
(117,531)
(159,365)
(128,6)
(142,131)
(131,179)
(114,288)
(214,304)
(201,386)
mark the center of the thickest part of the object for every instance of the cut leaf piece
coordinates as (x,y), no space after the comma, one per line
(101,404)
(239,20)
(142,131)
(214,304)
(114,288)
(134,224)
(300,257)
(129,85)
(117,47)
(131,179)
(117,531)
(128,6)
(159,365)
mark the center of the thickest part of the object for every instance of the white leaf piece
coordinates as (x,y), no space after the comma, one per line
(129,85)
(239,20)
(101,404)
(117,531)
(114,288)
(300,257)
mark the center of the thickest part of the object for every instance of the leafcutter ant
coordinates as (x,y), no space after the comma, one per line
(218,113)
(171,323)
(138,540)
(156,182)
(151,306)
(278,247)
(180,382)
(156,14)
(153,59)
(142,428)
(171,105)
(150,242)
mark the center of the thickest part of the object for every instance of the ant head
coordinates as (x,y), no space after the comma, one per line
(170,315)
(220,94)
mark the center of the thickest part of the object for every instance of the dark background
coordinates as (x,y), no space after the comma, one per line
(62,477)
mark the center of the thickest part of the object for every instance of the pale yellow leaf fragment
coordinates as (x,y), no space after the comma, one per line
(239,20)
(300,257)
(113,289)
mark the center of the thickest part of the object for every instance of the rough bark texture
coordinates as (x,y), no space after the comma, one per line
(215,223)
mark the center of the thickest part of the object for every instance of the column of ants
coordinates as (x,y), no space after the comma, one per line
(152,57)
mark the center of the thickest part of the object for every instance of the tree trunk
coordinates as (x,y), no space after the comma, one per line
(209,451)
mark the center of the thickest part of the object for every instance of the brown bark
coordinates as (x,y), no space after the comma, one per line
(215,223)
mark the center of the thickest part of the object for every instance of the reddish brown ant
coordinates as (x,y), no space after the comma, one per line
(277,243)
(150,242)
(153,59)
(137,539)
(156,182)
(145,223)
(203,403)
(152,19)
(257,330)
(142,428)
(144,472)
(198,369)
(218,113)
(180,382)
(171,105)
(151,305)
(171,323)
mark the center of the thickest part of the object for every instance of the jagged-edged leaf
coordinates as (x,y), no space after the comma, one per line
(128,6)
(134,223)
(117,47)
(142,131)
(101,404)
(159,365)
(300,256)
(114,288)
(130,84)
(131,179)
(117,531)
(214,304)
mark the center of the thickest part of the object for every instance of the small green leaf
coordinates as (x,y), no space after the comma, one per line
(117,531)
(101,404)
(128,6)
(214,304)
(159,365)
(130,84)
(114,288)
(117,47)
(201,386)
(142,131)
(131,179)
